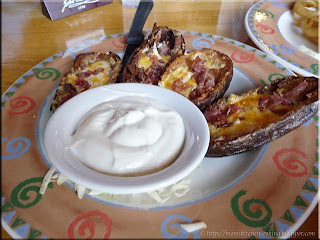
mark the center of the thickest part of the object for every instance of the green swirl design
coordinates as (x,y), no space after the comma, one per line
(275,76)
(21,193)
(255,216)
(47,73)
(267,13)
(315,68)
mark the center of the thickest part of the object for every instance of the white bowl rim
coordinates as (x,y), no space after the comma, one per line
(79,174)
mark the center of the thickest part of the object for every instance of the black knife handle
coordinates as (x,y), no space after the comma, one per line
(135,34)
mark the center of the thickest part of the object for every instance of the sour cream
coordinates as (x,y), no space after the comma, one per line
(129,136)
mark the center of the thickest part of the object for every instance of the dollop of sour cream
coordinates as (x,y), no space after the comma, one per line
(129,136)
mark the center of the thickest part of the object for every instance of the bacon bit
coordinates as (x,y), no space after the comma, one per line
(198,66)
(287,99)
(232,108)
(154,73)
(273,101)
(296,90)
(89,73)
(205,77)
(213,113)
(218,117)
(154,59)
(179,86)
(193,94)
(82,84)
(263,101)
(198,92)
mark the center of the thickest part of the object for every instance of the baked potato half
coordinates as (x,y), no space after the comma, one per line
(245,122)
(202,76)
(89,70)
(150,61)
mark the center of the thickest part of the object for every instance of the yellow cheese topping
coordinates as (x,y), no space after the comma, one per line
(145,61)
(212,62)
(181,73)
(253,118)
(166,58)
(71,78)
(99,79)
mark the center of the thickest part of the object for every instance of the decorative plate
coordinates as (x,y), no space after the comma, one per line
(271,25)
(240,196)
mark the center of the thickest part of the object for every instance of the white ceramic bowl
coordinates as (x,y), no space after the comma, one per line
(63,122)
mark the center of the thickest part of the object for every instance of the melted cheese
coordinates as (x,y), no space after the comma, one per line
(71,78)
(166,59)
(99,79)
(211,61)
(144,62)
(181,73)
(253,117)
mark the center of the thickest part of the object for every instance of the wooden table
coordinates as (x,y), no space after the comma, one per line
(28,37)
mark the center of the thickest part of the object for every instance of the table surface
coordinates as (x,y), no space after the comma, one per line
(28,37)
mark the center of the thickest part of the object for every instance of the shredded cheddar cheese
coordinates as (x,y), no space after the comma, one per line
(94,80)
(180,74)
(144,62)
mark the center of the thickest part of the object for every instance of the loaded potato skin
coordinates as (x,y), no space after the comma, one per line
(244,122)
(89,70)
(150,61)
(202,76)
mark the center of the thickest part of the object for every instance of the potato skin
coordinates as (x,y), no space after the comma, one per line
(222,76)
(172,44)
(67,88)
(305,107)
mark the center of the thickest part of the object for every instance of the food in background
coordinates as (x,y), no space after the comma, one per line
(309,22)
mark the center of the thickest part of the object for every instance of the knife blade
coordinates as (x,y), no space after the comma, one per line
(135,36)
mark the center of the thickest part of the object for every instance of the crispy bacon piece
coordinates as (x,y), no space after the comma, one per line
(217,116)
(89,73)
(153,74)
(82,84)
(205,77)
(179,86)
(276,99)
